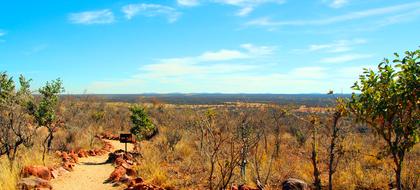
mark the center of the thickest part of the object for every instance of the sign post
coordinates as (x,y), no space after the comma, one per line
(125,138)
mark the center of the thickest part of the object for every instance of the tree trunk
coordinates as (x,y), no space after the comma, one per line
(277,142)
(51,136)
(331,151)
(317,180)
(398,169)
(398,177)
(211,174)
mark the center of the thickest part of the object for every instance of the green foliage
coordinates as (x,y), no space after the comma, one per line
(389,102)
(143,127)
(45,113)
(15,116)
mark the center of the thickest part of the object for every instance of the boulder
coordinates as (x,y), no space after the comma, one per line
(294,184)
(33,183)
(42,172)
(117,174)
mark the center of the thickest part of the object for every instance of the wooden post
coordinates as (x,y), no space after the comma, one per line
(125,138)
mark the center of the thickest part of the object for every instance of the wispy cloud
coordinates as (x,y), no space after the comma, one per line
(337,46)
(345,58)
(336,3)
(210,62)
(188,3)
(247,6)
(266,21)
(2,33)
(225,78)
(205,67)
(36,49)
(151,10)
(180,75)
(104,16)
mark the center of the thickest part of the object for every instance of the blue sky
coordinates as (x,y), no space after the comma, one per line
(229,46)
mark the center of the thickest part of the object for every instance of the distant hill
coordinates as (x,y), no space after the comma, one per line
(216,98)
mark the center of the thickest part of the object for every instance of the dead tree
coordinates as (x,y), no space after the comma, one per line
(335,148)
(277,114)
(314,156)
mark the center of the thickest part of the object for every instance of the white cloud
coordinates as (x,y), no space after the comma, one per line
(2,33)
(265,21)
(151,10)
(403,17)
(104,16)
(247,6)
(345,58)
(188,3)
(245,11)
(258,50)
(337,46)
(209,61)
(338,3)
(206,66)
(222,55)
(221,78)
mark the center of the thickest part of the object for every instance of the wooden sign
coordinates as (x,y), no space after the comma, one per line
(126,137)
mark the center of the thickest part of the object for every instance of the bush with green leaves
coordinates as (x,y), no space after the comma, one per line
(143,128)
(45,112)
(16,120)
(389,102)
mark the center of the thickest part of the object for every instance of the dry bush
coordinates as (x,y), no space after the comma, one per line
(180,156)
(25,157)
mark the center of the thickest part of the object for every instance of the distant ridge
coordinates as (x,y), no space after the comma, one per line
(310,99)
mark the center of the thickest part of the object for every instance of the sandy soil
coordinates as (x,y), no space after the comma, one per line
(90,173)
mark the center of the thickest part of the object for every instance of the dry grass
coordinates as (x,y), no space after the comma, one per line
(179,164)
(10,176)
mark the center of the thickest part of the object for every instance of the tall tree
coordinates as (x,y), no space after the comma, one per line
(45,113)
(389,103)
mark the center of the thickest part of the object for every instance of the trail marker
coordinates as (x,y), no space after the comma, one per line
(126,138)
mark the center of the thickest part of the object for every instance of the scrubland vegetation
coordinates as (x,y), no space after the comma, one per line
(369,141)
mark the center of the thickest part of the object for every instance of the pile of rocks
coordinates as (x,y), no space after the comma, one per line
(37,177)
(124,172)
(109,136)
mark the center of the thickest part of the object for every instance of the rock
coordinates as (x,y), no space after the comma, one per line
(82,153)
(294,184)
(142,186)
(68,166)
(116,174)
(42,172)
(33,183)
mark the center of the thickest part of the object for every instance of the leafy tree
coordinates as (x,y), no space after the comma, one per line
(143,128)
(389,103)
(15,117)
(45,112)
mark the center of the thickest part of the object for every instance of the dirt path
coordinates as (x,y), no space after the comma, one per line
(90,173)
